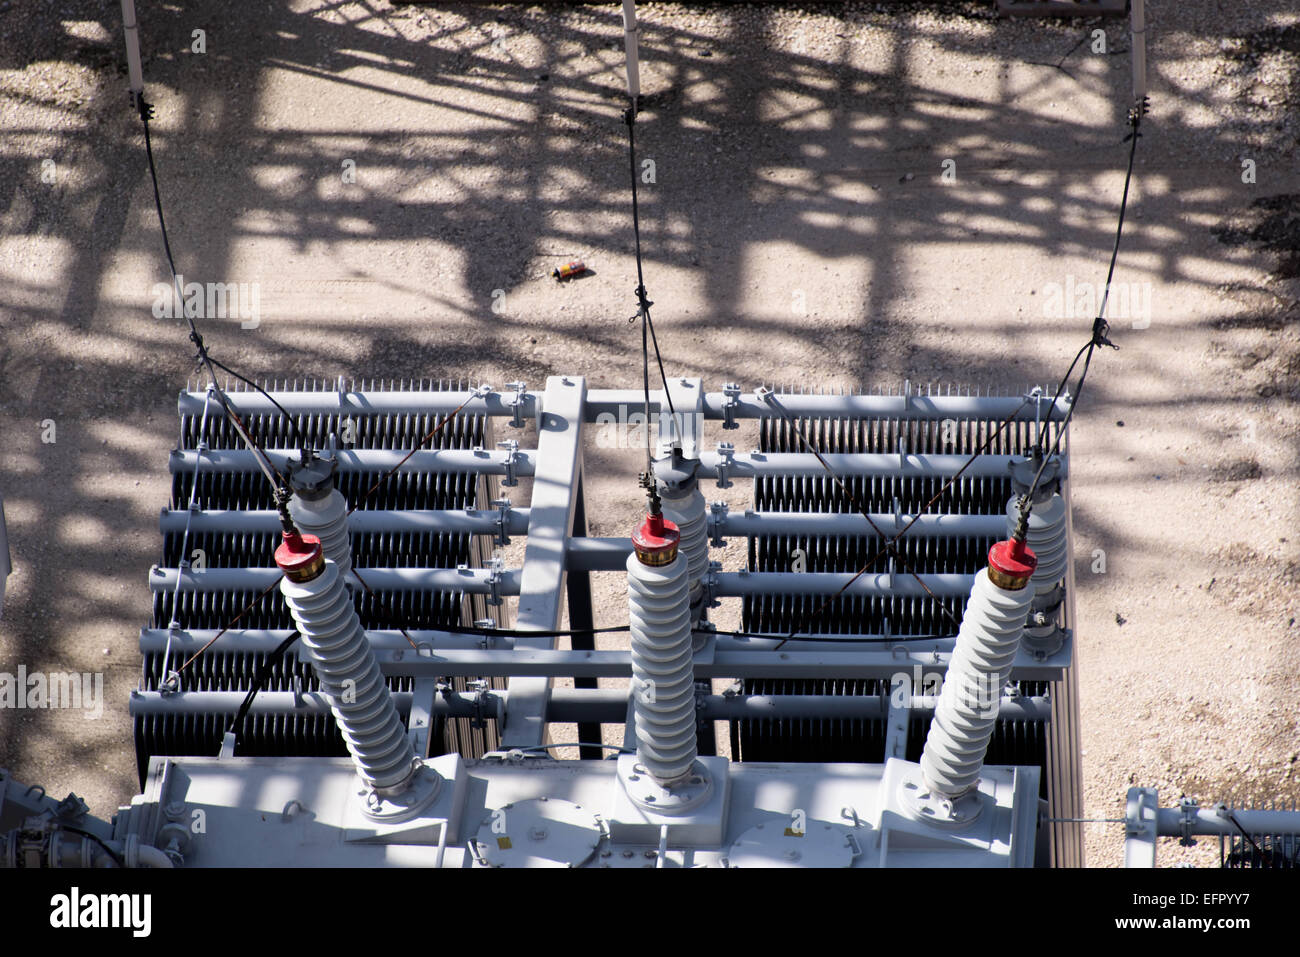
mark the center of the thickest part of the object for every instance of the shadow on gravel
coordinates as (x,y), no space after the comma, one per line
(727,115)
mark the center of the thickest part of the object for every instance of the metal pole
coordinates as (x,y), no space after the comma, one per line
(541,582)
(466,521)
(630,47)
(476,581)
(431,402)
(135,75)
(1138,42)
(731,584)
(578,705)
(478,461)
(472,521)
(849,465)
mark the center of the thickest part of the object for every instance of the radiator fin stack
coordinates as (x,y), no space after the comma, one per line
(218,670)
(1050,746)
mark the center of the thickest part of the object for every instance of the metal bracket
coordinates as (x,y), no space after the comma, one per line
(1140,812)
(502,521)
(482,699)
(494,566)
(516,404)
(1191,810)
(486,641)
(512,448)
(726,456)
(710,585)
(730,404)
(717,514)
(71,808)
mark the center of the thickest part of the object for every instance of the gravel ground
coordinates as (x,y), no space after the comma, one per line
(798,156)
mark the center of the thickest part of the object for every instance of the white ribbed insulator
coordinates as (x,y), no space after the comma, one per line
(687,512)
(327,519)
(350,678)
(972,689)
(1045,538)
(663,672)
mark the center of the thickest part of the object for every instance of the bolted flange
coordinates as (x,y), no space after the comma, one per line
(928,805)
(675,798)
(392,808)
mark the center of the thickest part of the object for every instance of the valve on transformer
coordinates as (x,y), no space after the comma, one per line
(986,646)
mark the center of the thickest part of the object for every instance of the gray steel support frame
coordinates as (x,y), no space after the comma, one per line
(715,405)
(475,461)
(550,524)
(582,615)
(1145,821)
(599,705)
(446,654)
(473,521)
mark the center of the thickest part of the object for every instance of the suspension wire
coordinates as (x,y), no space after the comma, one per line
(175,675)
(771,399)
(889,546)
(384,607)
(1100,328)
(264,672)
(1233,818)
(185,538)
(259,454)
(644,303)
(419,445)
(299,438)
(831,638)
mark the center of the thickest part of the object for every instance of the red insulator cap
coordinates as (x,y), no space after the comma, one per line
(1011,563)
(656,540)
(300,557)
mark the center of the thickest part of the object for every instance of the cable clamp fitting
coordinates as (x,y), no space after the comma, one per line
(726,458)
(710,585)
(717,515)
(517,403)
(512,451)
(1191,809)
(730,404)
(643,305)
(494,566)
(1099,329)
(486,641)
(502,521)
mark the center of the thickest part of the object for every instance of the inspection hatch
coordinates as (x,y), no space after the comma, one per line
(544,832)
(771,845)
